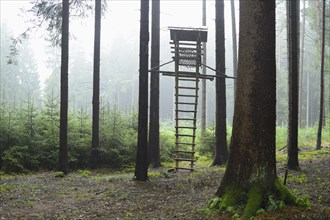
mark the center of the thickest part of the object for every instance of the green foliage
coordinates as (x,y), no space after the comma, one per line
(303,202)
(158,174)
(274,204)
(215,203)
(167,142)
(84,173)
(207,143)
(220,204)
(16,159)
(298,179)
(228,200)
(306,136)
(6,187)
(59,174)
(117,139)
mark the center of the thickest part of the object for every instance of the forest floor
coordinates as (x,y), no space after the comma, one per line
(115,195)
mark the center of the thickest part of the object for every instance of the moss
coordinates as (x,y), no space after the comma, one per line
(297,179)
(284,194)
(229,202)
(254,200)
(311,155)
(231,196)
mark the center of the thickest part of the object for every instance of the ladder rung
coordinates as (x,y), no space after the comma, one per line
(185,159)
(187,111)
(193,52)
(185,151)
(186,119)
(187,95)
(185,103)
(184,43)
(185,127)
(187,76)
(187,73)
(186,48)
(186,87)
(192,80)
(184,168)
(185,135)
(185,143)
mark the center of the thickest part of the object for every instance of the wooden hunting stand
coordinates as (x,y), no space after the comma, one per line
(187,49)
(186,45)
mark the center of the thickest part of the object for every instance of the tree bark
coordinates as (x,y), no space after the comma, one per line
(63,149)
(95,156)
(321,114)
(221,151)
(203,121)
(250,177)
(302,52)
(233,27)
(293,63)
(154,146)
(141,165)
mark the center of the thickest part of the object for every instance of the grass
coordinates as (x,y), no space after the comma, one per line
(111,194)
(306,142)
(6,187)
(306,136)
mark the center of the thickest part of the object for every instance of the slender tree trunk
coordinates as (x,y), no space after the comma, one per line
(63,150)
(95,156)
(293,56)
(154,146)
(234,38)
(321,114)
(250,177)
(203,121)
(221,151)
(141,166)
(278,59)
(302,52)
(308,100)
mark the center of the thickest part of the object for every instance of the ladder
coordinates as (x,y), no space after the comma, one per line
(186,45)
(187,55)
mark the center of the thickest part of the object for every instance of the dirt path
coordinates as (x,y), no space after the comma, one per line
(166,196)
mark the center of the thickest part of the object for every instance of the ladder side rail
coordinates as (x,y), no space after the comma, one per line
(176,58)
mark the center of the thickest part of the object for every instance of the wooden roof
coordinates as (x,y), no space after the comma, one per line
(188,33)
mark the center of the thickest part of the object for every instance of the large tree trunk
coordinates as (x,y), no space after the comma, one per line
(63,150)
(141,165)
(293,67)
(250,177)
(154,146)
(233,27)
(95,156)
(221,151)
(203,121)
(321,114)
